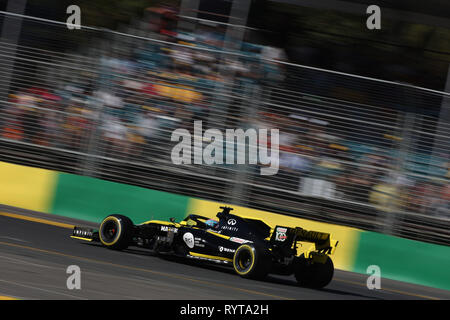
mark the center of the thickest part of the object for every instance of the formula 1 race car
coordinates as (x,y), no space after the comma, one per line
(250,246)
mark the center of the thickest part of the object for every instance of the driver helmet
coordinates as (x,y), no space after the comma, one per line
(212,223)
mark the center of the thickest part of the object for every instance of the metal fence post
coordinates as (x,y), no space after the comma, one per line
(239,191)
(398,172)
(233,42)
(90,166)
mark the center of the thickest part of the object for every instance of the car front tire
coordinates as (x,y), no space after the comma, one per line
(116,232)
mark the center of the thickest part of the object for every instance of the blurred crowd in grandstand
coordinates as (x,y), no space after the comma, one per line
(319,164)
(157,87)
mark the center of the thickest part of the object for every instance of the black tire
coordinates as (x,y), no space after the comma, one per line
(313,274)
(251,262)
(116,232)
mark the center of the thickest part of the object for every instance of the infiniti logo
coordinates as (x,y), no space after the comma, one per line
(231,222)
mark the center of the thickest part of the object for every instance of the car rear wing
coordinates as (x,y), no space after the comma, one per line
(285,236)
(323,242)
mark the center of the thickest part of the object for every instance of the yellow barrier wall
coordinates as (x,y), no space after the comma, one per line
(26,187)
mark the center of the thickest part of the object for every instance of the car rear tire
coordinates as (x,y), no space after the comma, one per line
(313,274)
(251,262)
(116,232)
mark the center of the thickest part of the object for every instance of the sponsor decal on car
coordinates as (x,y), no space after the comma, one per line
(167,229)
(280,234)
(222,249)
(239,240)
(229,228)
(199,242)
(231,222)
(188,238)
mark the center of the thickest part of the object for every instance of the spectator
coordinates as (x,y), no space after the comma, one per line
(292,167)
(148,127)
(115,134)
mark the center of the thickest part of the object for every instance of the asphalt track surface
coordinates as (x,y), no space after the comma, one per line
(34,256)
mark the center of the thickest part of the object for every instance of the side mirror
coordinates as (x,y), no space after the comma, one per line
(172,220)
